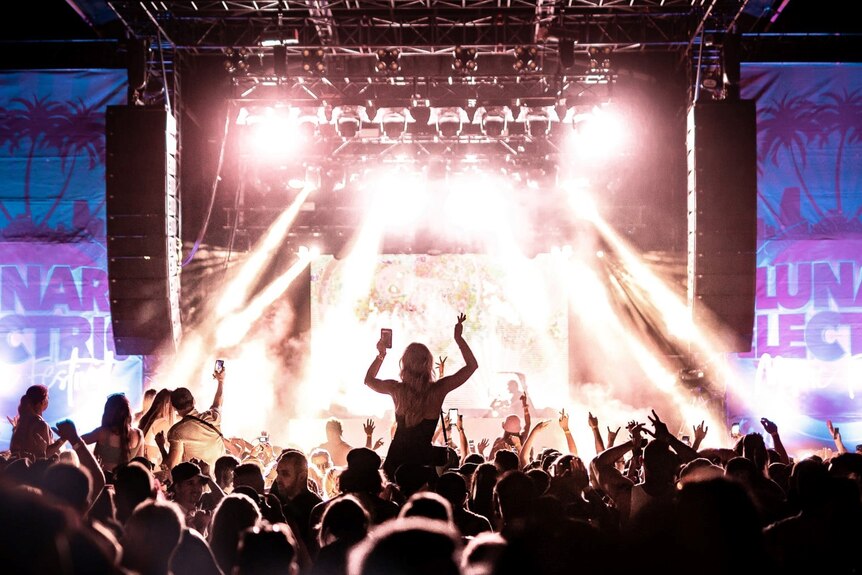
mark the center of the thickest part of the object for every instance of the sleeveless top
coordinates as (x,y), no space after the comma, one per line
(410,445)
(23,438)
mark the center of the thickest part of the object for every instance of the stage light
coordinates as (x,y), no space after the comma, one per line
(279,37)
(526,59)
(348,120)
(464,60)
(537,120)
(236,60)
(393,121)
(388,61)
(494,120)
(449,121)
(313,61)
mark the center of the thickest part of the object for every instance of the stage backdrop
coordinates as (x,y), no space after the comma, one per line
(806,363)
(55,326)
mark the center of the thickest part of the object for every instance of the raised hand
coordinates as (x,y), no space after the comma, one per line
(564,420)
(378,444)
(459,327)
(66,430)
(833,431)
(13,421)
(612,435)
(368,427)
(699,432)
(635,430)
(660,430)
(768,426)
(381,347)
(441,365)
(541,425)
(482,445)
(592,420)
(160,439)
(460,423)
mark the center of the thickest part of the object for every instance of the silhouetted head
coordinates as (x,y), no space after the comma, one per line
(333,429)
(34,401)
(117,414)
(408,546)
(427,504)
(267,550)
(182,400)
(343,519)
(233,515)
(68,484)
(417,364)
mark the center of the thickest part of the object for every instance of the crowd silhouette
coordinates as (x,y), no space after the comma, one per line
(164,492)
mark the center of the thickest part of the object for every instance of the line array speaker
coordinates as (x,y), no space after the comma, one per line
(722,217)
(143,229)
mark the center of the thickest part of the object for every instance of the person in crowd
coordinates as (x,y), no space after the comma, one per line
(427,504)
(418,398)
(158,418)
(187,489)
(234,514)
(197,435)
(248,480)
(146,402)
(193,556)
(514,435)
(223,471)
(133,484)
(408,546)
(297,500)
(661,460)
(117,441)
(31,435)
(268,550)
(482,553)
(481,499)
(335,444)
(321,462)
(150,537)
(344,524)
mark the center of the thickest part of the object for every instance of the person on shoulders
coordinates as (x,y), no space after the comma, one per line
(418,398)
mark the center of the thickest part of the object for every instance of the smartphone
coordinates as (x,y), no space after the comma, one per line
(686,439)
(219,366)
(453,416)
(386,337)
(734,430)
(263,439)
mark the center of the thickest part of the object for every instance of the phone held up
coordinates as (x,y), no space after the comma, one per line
(734,430)
(453,416)
(386,337)
(219,366)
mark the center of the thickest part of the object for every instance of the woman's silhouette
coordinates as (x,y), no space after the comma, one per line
(418,399)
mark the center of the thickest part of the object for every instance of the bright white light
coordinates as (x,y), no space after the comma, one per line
(476,202)
(597,136)
(399,199)
(580,201)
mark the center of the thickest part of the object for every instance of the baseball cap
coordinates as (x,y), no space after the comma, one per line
(185,471)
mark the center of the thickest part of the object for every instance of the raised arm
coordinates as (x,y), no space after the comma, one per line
(593,422)
(462,435)
(772,430)
(525,403)
(564,425)
(67,432)
(524,451)
(378,385)
(458,378)
(836,437)
(217,398)
(699,434)
(661,432)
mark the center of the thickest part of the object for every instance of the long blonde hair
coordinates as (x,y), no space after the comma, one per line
(417,375)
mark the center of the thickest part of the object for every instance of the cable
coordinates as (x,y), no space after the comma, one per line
(214,188)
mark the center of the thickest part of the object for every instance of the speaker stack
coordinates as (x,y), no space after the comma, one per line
(722,217)
(143,229)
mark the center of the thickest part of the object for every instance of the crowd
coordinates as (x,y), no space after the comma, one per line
(162,491)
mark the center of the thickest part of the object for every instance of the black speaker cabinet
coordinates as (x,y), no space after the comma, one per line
(722,217)
(143,229)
